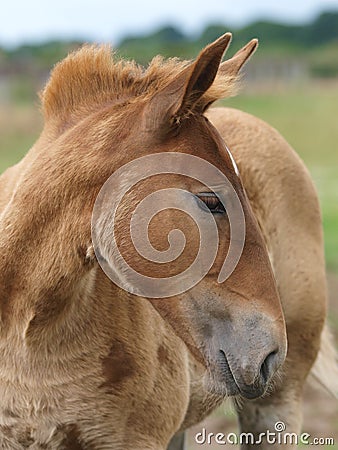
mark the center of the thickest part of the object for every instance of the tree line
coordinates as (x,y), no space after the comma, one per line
(279,39)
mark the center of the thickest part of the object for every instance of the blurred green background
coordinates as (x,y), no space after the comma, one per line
(292,83)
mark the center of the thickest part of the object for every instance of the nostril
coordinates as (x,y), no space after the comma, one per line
(268,365)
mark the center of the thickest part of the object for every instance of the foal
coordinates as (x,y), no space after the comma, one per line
(91,364)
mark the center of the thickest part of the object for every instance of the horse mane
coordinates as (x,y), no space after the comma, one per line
(93,76)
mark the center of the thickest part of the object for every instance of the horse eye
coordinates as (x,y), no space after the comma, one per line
(212,202)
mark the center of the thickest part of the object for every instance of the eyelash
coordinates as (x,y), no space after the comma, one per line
(212,202)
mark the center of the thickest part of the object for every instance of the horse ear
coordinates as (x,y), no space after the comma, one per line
(232,66)
(227,75)
(178,98)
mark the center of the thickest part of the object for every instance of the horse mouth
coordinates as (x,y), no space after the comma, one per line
(226,376)
(222,382)
(219,378)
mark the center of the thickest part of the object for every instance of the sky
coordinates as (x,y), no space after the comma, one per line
(23,21)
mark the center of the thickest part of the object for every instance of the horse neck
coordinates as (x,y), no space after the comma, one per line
(57,306)
(47,265)
(46,260)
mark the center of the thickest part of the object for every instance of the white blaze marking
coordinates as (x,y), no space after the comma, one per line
(233,161)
